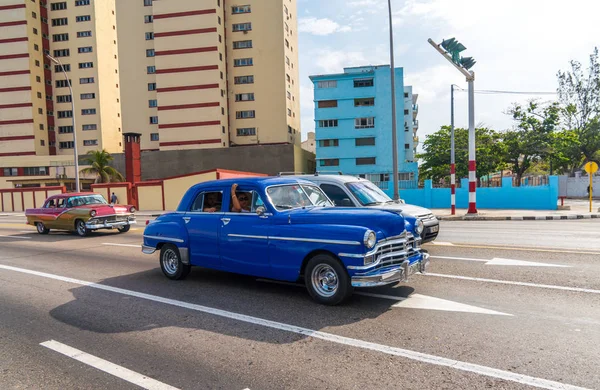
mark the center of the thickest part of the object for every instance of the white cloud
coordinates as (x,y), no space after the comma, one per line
(322,26)
(333,61)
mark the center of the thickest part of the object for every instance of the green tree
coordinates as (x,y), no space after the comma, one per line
(99,166)
(436,153)
(531,139)
(565,155)
(579,94)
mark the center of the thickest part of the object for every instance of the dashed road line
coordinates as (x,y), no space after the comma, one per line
(514,248)
(106,366)
(502,261)
(381,348)
(17,237)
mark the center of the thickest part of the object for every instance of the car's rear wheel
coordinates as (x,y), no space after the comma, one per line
(41,228)
(326,280)
(80,228)
(170,263)
(124,229)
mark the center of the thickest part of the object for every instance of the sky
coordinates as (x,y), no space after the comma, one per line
(519,45)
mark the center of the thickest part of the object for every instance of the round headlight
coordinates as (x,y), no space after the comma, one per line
(132,209)
(93,213)
(419,227)
(370,239)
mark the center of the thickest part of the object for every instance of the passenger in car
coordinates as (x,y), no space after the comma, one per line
(212,203)
(240,203)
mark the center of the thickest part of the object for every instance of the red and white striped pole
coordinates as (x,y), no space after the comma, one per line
(452,162)
(472,161)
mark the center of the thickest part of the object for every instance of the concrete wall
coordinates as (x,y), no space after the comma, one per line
(269,159)
(505,197)
(576,187)
(12,200)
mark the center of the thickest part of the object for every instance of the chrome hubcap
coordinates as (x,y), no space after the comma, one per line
(40,227)
(170,261)
(325,280)
(81,228)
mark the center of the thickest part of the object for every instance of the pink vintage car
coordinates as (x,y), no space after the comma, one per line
(81,213)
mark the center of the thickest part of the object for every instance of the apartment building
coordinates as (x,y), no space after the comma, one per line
(209,74)
(353,121)
(411,123)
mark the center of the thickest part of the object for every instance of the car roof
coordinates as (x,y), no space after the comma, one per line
(261,182)
(70,194)
(331,178)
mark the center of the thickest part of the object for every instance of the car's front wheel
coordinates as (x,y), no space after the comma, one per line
(124,229)
(326,280)
(80,228)
(170,263)
(41,228)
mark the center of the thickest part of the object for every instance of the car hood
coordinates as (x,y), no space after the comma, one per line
(413,210)
(106,209)
(386,222)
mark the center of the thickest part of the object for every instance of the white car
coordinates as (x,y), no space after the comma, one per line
(350,191)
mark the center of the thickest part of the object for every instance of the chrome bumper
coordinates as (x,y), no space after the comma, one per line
(148,249)
(398,274)
(108,225)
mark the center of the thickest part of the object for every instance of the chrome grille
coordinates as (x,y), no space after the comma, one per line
(114,218)
(395,251)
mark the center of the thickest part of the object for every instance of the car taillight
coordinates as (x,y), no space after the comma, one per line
(147,221)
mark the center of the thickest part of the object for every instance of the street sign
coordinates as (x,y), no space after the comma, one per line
(591,167)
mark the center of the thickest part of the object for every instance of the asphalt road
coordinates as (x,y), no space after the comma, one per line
(506,305)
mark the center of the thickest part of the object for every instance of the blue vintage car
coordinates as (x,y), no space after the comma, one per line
(286,229)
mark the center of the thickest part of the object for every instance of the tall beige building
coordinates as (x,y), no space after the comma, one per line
(206,74)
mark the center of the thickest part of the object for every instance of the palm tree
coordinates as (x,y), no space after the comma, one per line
(99,161)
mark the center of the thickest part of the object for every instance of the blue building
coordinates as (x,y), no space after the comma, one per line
(353,121)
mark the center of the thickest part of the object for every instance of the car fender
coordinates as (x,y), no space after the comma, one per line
(166,230)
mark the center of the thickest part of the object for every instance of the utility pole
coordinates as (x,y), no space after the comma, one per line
(450,49)
(452,160)
(394,130)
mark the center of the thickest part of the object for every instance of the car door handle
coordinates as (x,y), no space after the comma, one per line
(225,220)
(186,219)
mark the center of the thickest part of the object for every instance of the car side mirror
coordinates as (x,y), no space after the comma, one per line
(346,203)
(261,210)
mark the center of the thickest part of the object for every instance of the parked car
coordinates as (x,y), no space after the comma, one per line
(82,213)
(288,230)
(350,191)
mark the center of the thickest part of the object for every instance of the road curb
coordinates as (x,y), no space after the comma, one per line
(519,218)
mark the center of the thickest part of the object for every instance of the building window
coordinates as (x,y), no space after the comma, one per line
(242,44)
(245,114)
(243,62)
(40,111)
(39,95)
(365,161)
(151,86)
(86,80)
(35,31)
(60,37)
(154,137)
(60,22)
(407,146)
(58,69)
(36,47)
(90,142)
(287,60)
(241,9)
(405,95)
(83,34)
(364,123)
(35,171)
(147,3)
(289,95)
(88,111)
(287,44)
(149,52)
(85,96)
(63,99)
(79,3)
(327,104)
(366,102)
(42,142)
(148,18)
(86,65)
(151,69)
(65,114)
(58,6)
(369,141)
(89,127)
(62,53)
(66,145)
(244,80)
(241,27)
(11,172)
(153,103)
(38,79)
(329,162)
(243,97)
(328,123)
(153,120)
(62,83)
(326,143)
(289,110)
(149,36)
(86,49)
(65,129)
(83,18)
(246,131)
(361,83)
(327,84)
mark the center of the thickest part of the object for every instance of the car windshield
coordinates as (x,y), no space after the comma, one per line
(368,193)
(85,200)
(288,197)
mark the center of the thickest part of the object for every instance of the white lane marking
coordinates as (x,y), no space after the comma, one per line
(564,288)
(502,261)
(442,243)
(19,237)
(385,349)
(27,231)
(108,367)
(126,245)
(521,249)
(418,301)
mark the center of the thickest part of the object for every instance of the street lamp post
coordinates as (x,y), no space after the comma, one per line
(57,61)
(452,159)
(394,131)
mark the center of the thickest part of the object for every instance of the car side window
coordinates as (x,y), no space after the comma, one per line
(208,201)
(249,200)
(337,195)
(50,204)
(60,202)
